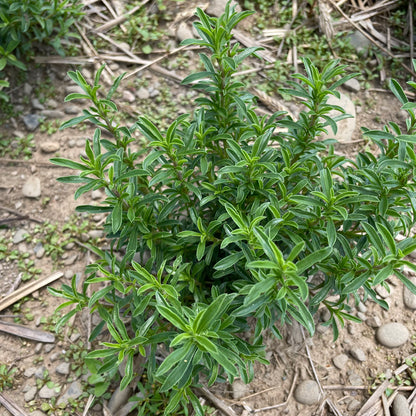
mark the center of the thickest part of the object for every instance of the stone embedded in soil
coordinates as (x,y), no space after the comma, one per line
(392,335)
(340,361)
(216,7)
(96,194)
(36,104)
(47,393)
(37,413)
(49,147)
(40,372)
(374,321)
(72,109)
(31,188)
(346,127)
(409,298)
(39,250)
(73,392)
(352,85)
(361,307)
(359,42)
(62,369)
(142,93)
(128,96)
(29,372)
(184,32)
(358,354)
(400,406)
(354,379)
(307,392)
(30,394)
(383,292)
(31,121)
(19,236)
(353,405)
(240,389)
(70,260)
(118,399)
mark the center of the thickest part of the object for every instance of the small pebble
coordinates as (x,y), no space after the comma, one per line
(62,369)
(409,298)
(400,406)
(374,321)
(382,291)
(358,354)
(340,361)
(355,379)
(392,334)
(52,113)
(352,85)
(30,394)
(353,405)
(32,188)
(307,392)
(31,121)
(47,393)
(96,194)
(142,93)
(128,96)
(361,307)
(19,236)
(239,389)
(49,147)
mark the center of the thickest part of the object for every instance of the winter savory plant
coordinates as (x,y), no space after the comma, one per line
(232,224)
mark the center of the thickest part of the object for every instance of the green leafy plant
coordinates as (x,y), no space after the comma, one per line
(7,375)
(227,221)
(27,24)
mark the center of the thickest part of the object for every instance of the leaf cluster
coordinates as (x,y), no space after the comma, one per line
(231,216)
(27,24)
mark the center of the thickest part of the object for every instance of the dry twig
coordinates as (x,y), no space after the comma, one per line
(11,406)
(370,38)
(227,410)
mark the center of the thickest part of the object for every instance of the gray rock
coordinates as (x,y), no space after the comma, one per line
(361,307)
(409,298)
(53,113)
(51,103)
(126,409)
(354,379)
(345,127)
(29,372)
(400,406)
(374,321)
(96,233)
(27,89)
(19,236)
(359,42)
(352,85)
(69,274)
(31,188)
(184,32)
(37,413)
(153,92)
(118,399)
(142,93)
(39,250)
(216,7)
(70,260)
(49,147)
(31,394)
(36,104)
(49,347)
(46,393)
(307,392)
(383,292)
(74,89)
(71,143)
(340,361)
(240,389)
(358,354)
(392,335)
(31,121)
(128,96)
(72,109)
(40,372)
(73,392)
(353,405)
(362,316)
(96,194)
(62,369)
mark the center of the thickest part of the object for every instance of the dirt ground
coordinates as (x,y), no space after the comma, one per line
(292,359)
